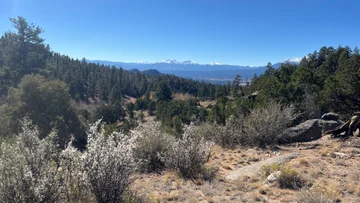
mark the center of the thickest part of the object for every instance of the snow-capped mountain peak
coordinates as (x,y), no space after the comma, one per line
(189,62)
(214,63)
(141,62)
(292,60)
(170,61)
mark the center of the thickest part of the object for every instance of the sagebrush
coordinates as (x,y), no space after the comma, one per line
(152,146)
(188,154)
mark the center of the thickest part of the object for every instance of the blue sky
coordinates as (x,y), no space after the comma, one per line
(243,32)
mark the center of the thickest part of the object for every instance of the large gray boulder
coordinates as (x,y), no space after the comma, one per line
(307,131)
(304,132)
(328,124)
(330,116)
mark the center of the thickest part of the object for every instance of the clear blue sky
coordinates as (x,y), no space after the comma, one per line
(244,32)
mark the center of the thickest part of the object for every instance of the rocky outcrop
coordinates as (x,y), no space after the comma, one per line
(328,124)
(304,132)
(307,131)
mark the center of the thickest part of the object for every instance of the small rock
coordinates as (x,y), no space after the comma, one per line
(251,151)
(341,155)
(272,178)
(330,116)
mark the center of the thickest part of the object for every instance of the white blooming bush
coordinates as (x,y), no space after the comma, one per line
(76,186)
(34,170)
(28,168)
(188,154)
(108,163)
(152,146)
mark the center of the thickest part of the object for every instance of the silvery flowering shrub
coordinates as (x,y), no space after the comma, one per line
(108,163)
(71,165)
(152,146)
(188,154)
(28,168)
(34,170)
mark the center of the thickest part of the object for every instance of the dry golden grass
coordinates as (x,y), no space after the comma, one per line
(304,162)
(182,97)
(327,179)
(353,188)
(171,196)
(205,104)
(324,151)
(129,99)
(330,188)
(336,146)
(155,197)
(227,167)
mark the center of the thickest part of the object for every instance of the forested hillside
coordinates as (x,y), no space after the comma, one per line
(60,78)
(326,80)
(72,131)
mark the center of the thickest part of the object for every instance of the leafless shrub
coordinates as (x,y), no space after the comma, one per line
(309,108)
(188,154)
(152,146)
(225,136)
(262,126)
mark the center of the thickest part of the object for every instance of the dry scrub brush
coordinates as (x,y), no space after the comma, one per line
(28,172)
(188,154)
(34,170)
(152,145)
(263,125)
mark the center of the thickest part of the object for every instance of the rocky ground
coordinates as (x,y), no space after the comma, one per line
(329,168)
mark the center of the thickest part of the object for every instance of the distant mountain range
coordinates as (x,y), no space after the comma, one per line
(213,72)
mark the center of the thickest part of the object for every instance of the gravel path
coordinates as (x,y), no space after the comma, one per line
(254,169)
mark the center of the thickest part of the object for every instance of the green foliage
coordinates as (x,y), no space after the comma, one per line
(128,125)
(110,113)
(47,104)
(236,88)
(163,92)
(130,107)
(109,129)
(21,52)
(327,79)
(174,113)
